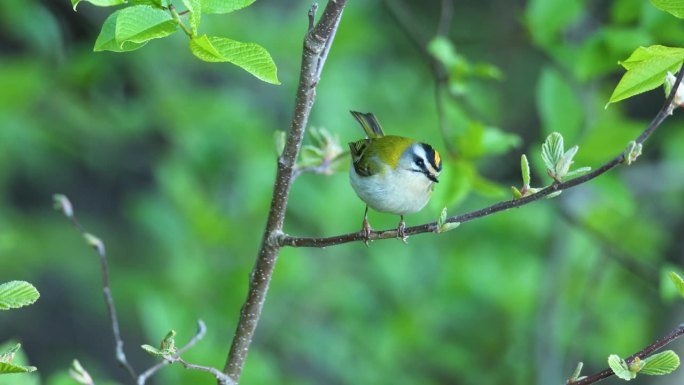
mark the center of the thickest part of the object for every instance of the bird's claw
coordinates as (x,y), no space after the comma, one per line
(401,231)
(366,231)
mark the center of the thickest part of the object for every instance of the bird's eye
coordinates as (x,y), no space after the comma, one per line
(419,162)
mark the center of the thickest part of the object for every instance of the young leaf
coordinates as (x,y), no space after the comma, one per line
(79,374)
(224,6)
(675,7)
(578,172)
(619,367)
(106,41)
(16,294)
(141,23)
(95,242)
(678,282)
(516,193)
(646,69)
(577,372)
(6,365)
(662,363)
(552,150)
(251,57)
(99,3)
(525,168)
(565,161)
(62,203)
(152,350)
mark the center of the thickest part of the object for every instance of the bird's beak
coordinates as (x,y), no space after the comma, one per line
(432,177)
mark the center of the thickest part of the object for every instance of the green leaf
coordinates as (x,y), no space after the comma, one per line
(646,69)
(662,363)
(16,294)
(546,19)
(224,6)
(141,23)
(6,368)
(152,350)
(106,40)
(154,3)
(564,163)
(558,105)
(678,282)
(552,150)
(442,218)
(195,8)
(578,172)
(99,3)
(525,168)
(169,342)
(619,367)
(675,7)
(251,57)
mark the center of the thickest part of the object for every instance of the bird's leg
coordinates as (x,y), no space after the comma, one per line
(365,228)
(400,230)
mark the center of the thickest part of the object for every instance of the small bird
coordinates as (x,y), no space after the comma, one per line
(392,174)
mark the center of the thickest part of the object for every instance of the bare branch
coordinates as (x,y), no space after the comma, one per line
(317,44)
(293,241)
(62,203)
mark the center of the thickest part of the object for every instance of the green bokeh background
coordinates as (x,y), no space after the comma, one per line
(170,161)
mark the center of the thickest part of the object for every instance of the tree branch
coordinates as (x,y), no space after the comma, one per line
(645,352)
(316,48)
(666,109)
(64,205)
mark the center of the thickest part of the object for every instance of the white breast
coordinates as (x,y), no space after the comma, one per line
(393,191)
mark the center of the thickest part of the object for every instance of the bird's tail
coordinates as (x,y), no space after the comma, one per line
(369,123)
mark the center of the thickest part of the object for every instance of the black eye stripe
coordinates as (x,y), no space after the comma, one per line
(431,156)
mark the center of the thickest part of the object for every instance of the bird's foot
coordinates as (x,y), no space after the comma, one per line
(401,231)
(366,231)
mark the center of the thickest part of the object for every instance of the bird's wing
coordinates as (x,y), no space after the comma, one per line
(364,161)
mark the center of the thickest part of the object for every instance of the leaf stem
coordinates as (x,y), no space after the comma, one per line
(177,19)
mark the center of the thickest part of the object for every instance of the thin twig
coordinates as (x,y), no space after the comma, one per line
(645,352)
(201,331)
(294,241)
(316,47)
(223,379)
(65,206)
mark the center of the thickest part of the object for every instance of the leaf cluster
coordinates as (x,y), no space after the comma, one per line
(132,27)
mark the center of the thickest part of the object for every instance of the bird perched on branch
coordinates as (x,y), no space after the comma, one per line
(392,174)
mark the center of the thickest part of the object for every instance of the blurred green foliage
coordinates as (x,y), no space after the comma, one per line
(170,161)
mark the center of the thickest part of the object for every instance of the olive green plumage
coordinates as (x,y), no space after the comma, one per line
(371,154)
